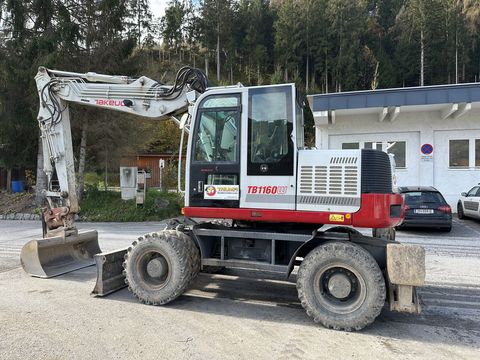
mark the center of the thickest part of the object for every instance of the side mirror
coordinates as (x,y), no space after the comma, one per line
(464,194)
(183,120)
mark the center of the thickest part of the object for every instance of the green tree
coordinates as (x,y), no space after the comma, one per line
(288,36)
(347,30)
(216,26)
(140,22)
(172,24)
(254,38)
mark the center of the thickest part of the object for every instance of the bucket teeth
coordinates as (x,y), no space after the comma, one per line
(61,254)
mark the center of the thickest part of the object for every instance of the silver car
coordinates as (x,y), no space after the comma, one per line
(468,205)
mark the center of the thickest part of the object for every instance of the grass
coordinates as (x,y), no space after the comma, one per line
(109,206)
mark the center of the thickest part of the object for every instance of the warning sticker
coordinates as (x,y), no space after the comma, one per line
(221,192)
(336,217)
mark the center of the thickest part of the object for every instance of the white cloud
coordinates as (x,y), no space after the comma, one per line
(158,7)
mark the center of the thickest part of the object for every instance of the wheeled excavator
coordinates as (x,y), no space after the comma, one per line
(255,198)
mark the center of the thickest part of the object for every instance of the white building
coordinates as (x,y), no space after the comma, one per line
(433,131)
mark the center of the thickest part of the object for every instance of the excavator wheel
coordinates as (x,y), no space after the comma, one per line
(160,266)
(341,286)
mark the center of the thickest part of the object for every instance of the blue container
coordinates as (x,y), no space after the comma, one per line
(18,186)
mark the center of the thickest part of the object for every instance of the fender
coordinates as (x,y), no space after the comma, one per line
(375,246)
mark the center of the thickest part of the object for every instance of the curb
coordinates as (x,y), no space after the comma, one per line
(19,216)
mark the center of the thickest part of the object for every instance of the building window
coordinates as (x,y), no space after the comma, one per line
(373,145)
(458,153)
(398,149)
(351,146)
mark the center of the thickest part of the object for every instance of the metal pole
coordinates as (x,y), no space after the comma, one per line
(161,171)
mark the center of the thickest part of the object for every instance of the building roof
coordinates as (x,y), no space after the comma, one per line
(411,96)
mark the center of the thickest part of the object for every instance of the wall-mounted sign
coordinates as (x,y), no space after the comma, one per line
(427,153)
(426,149)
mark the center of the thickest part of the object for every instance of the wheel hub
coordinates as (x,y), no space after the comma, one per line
(339,286)
(157,267)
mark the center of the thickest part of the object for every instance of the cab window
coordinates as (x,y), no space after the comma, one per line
(217,130)
(270,126)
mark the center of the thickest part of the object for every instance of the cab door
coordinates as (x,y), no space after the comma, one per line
(268,162)
(214,174)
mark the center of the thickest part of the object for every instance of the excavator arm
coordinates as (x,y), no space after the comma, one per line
(63,248)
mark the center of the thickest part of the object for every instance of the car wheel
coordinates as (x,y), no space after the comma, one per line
(446,229)
(460,213)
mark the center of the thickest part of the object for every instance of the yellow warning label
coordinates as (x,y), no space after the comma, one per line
(336,217)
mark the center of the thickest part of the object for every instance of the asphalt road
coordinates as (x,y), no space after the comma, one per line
(235,315)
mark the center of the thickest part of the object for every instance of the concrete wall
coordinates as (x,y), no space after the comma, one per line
(416,127)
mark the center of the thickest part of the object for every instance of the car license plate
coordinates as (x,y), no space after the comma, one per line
(423,211)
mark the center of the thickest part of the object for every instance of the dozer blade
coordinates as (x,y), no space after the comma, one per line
(61,254)
(110,276)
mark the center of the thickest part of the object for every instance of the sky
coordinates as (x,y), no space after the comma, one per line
(158,7)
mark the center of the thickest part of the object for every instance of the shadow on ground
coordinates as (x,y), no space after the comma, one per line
(450,315)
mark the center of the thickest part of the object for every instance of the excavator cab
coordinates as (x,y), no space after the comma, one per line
(243,139)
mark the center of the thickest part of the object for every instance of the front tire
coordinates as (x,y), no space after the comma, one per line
(159,266)
(341,286)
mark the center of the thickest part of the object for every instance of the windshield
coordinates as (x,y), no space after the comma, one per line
(423,197)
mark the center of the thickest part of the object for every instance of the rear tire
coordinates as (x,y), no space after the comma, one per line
(159,266)
(446,229)
(460,212)
(341,286)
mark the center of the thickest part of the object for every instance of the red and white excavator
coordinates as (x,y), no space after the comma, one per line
(247,165)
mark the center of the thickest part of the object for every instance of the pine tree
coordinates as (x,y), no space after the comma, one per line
(216,27)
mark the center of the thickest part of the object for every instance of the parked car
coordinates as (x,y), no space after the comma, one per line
(468,205)
(425,207)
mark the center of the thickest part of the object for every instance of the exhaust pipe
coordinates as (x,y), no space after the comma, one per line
(65,251)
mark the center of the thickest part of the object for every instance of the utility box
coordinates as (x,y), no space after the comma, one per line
(128,182)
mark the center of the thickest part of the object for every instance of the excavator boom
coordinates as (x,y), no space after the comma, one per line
(63,248)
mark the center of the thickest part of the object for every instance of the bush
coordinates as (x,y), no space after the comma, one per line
(109,206)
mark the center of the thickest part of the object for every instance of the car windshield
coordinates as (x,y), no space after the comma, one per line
(423,197)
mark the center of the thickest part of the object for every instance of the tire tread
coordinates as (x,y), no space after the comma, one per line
(186,252)
(339,322)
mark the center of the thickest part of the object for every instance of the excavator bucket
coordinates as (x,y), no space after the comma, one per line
(60,254)
(110,276)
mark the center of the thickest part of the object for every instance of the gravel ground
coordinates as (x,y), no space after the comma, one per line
(235,315)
